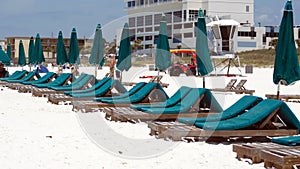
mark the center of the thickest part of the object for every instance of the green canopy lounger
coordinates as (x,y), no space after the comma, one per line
(106,87)
(242,105)
(62,80)
(15,76)
(151,92)
(82,82)
(184,103)
(267,118)
(28,86)
(16,84)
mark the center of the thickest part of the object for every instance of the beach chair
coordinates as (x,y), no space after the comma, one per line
(15,84)
(256,122)
(15,76)
(229,86)
(150,92)
(156,79)
(283,152)
(242,105)
(82,82)
(238,89)
(28,85)
(105,88)
(285,97)
(62,80)
(193,103)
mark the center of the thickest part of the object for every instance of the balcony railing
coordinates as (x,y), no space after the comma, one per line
(153,4)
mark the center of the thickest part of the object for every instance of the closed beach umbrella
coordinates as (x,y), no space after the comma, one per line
(38,51)
(61,54)
(97,55)
(124,59)
(8,50)
(286,66)
(4,57)
(204,65)
(163,55)
(22,57)
(73,56)
(31,51)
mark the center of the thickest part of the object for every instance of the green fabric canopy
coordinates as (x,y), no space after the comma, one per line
(4,58)
(8,50)
(22,57)
(61,54)
(31,59)
(97,54)
(163,55)
(73,56)
(204,65)
(124,59)
(286,67)
(38,50)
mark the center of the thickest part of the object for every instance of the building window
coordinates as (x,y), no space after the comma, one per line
(141,2)
(140,30)
(247,8)
(193,15)
(148,37)
(131,31)
(148,29)
(140,21)
(156,28)
(178,26)
(157,18)
(148,20)
(131,22)
(169,17)
(188,25)
(177,16)
(188,35)
(141,38)
(155,1)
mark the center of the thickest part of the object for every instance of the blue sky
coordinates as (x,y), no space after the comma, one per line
(28,17)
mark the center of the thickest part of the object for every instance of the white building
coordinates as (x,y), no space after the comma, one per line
(145,15)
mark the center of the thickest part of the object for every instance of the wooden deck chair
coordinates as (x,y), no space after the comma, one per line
(104,88)
(281,158)
(189,105)
(239,107)
(256,122)
(16,84)
(238,89)
(229,86)
(15,76)
(151,92)
(28,86)
(285,97)
(80,83)
(156,79)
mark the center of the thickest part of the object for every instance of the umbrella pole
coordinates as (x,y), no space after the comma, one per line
(203,82)
(278,90)
(96,72)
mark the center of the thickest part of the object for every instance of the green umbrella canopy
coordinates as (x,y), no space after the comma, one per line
(31,59)
(163,55)
(124,60)
(73,56)
(61,54)
(22,57)
(4,57)
(204,65)
(8,50)
(286,66)
(97,55)
(38,50)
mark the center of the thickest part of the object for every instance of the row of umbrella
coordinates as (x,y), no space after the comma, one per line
(286,67)
(36,54)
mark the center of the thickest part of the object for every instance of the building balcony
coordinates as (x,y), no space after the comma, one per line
(149,3)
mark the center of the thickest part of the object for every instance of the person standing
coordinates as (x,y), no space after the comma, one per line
(112,66)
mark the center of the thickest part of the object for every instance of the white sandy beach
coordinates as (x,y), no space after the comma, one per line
(36,134)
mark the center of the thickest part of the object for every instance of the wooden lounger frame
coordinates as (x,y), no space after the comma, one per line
(286,98)
(262,129)
(88,106)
